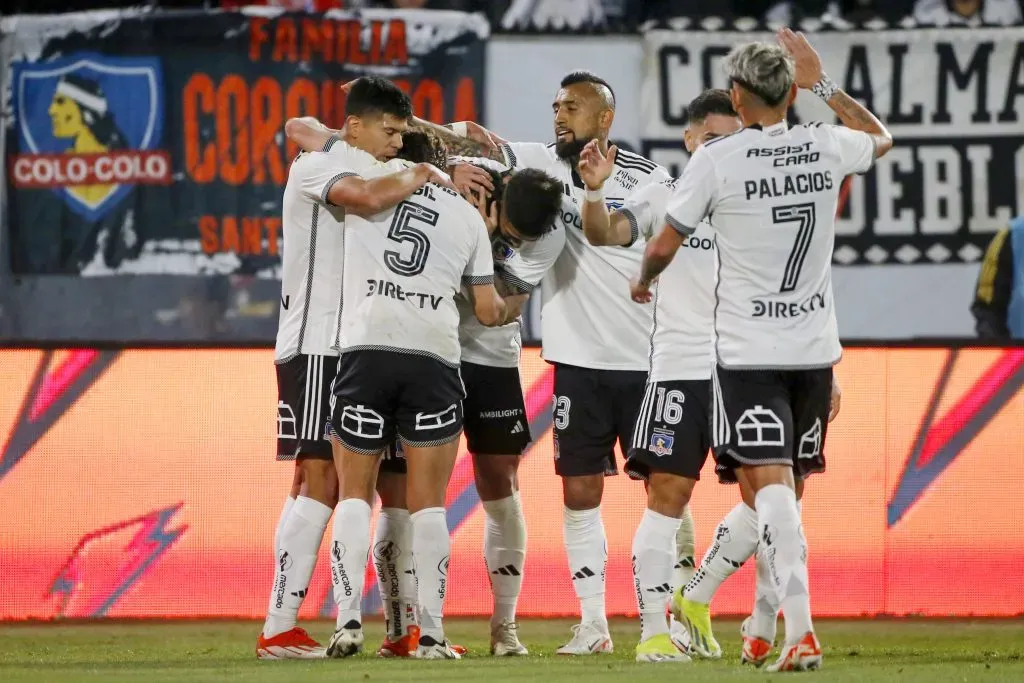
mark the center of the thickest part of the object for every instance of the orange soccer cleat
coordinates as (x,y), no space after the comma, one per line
(293,644)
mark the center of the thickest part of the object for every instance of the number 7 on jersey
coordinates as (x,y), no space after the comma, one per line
(804,215)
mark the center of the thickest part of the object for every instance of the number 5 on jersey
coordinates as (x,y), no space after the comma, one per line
(402,231)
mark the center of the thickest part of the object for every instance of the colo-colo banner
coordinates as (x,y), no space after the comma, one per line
(153,143)
(953,101)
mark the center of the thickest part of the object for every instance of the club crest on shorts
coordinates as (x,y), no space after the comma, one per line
(88,129)
(661,442)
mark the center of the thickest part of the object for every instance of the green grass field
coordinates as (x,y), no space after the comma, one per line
(863,651)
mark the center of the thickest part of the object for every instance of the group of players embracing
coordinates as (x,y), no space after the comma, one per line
(680,316)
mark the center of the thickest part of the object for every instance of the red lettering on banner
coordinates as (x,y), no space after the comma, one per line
(329,41)
(245,236)
(122,167)
(247,121)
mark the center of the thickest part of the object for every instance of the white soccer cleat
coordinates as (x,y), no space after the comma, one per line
(679,634)
(588,638)
(431,649)
(346,641)
(505,640)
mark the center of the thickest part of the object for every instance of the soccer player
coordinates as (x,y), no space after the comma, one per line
(399,376)
(525,242)
(521,215)
(770,193)
(597,340)
(321,188)
(672,434)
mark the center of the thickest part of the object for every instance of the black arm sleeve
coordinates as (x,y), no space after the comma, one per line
(995,284)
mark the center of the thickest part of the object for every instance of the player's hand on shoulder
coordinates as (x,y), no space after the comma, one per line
(594,167)
(805,58)
(470,180)
(437,176)
(477,133)
(836,401)
(639,291)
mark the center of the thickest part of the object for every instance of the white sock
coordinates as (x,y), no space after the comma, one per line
(392,558)
(685,564)
(766,604)
(653,552)
(735,542)
(350,546)
(288,502)
(431,548)
(299,541)
(586,547)
(785,551)
(505,554)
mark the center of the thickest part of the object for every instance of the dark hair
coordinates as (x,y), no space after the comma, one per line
(587,77)
(533,200)
(711,101)
(423,146)
(498,180)
(372,95)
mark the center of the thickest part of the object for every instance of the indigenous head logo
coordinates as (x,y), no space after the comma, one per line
(88,126)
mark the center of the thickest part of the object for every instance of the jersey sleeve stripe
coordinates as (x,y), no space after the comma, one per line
(635,159)
(633,167)
(473,280)
(683,230)
(515,284)
(330,143)
(634,227)
(510,156)
(330,183)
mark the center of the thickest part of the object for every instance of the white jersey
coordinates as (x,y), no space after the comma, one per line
(313,234)
(587,317)
(520,270)
(771,196)
(403,269)
(684,304)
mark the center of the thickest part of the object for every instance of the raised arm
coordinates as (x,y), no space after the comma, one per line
(600,227)
(308,133)
(811,76)
(466,138)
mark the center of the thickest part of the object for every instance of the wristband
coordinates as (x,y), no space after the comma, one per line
(595,195)
(459,128)
(825,88)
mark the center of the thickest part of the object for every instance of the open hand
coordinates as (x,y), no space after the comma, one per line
(470,180)
(805,58)
(594,167)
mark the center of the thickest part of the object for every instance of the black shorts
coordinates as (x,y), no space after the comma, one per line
(592,410)
(495,411)
(303,406)
(770,417)
(384,395)
(673,430)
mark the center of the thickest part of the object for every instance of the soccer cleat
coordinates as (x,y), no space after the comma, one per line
(292,644)
(403,647)
(755,649)
(346,641)
(697,619)
(505,640)
(432,649)
(660,648)
(805,655)
(588,638)
(680,636)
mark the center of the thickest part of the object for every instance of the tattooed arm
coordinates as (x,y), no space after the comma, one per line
(479,142)
(809,73)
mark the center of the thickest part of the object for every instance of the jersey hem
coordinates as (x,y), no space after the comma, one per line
(643,367)
(683,230)
(396,349)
